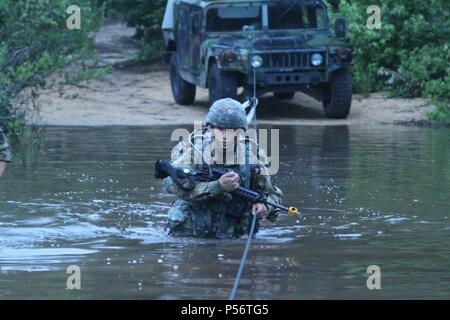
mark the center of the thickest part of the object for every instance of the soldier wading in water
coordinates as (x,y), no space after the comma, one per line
(209,210)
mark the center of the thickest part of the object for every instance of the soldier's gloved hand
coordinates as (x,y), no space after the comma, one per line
(260,210)
(229,181)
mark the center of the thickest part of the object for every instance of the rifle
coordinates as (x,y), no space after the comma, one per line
(187,179)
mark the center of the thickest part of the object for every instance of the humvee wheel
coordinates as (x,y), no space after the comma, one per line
(183,92)
(221,84)
(284,95)
(337,97)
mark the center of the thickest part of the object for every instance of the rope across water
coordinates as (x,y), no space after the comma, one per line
(243,259)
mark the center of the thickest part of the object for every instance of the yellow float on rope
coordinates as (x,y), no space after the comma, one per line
(292,212)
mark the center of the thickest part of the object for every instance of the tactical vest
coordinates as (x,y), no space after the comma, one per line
(218,218)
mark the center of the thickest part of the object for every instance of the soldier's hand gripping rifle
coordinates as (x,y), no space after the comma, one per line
(187,179)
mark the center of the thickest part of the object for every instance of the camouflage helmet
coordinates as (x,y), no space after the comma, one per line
(227,114)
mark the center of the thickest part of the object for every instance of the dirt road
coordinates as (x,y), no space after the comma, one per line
(141,95)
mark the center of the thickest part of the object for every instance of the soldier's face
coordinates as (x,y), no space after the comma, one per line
(224,137)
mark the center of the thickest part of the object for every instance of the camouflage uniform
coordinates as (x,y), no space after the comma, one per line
(207,211)
(5,153)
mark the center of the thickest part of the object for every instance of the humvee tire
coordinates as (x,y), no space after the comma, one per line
(183,92)
(337,97)
(284,95)
(221,84)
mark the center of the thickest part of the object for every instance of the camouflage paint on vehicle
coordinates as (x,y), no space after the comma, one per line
(286,53)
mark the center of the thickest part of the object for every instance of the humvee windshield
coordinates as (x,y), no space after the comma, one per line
(233,18)
(296,15)
(281,15)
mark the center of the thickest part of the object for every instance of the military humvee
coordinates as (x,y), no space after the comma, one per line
(216,45)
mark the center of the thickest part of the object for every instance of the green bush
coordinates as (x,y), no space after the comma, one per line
(35,42)
(409,56)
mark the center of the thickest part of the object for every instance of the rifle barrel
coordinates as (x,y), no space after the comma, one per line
(164,168)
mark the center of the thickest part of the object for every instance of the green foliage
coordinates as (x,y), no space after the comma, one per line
(409,56)
(441,112)
(146,16)
(35,42)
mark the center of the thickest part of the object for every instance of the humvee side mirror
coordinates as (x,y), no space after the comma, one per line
(340,28)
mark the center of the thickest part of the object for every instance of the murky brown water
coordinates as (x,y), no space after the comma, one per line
(376,195)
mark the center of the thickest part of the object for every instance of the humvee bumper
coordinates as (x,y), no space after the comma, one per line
(289,78)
